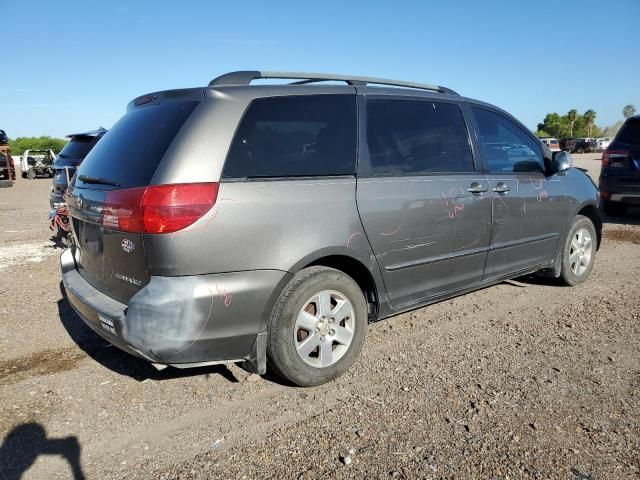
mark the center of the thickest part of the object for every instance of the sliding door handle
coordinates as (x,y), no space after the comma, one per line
(501,188)
(477,188)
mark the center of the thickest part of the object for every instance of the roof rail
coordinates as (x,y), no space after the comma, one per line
(245,77)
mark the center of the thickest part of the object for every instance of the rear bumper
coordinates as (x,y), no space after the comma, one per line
(182,321)
(623,190)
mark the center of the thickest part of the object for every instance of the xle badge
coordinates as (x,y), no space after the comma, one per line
(127,245)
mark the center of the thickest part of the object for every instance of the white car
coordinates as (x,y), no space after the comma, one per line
(552,143)
(602,143)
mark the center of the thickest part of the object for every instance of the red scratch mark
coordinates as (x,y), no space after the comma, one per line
(197,229)
(353,235)
(453,212)
(227,297)
(456,207)
(542,195)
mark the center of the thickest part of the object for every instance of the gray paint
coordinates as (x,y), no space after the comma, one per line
(421,239)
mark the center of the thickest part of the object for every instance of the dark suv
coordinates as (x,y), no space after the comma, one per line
(269,224)
(620,172)
(68,160)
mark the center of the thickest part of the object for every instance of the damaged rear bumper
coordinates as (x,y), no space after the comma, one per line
(183,321)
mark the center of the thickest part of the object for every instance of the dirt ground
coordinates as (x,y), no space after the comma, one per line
(525,379)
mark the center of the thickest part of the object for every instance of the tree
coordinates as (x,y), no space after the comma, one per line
(20,144)
(628,111)
(589,118)
(572,116)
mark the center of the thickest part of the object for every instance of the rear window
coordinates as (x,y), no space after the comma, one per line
(77,148)
(130,152)
(630,133)
(295,136)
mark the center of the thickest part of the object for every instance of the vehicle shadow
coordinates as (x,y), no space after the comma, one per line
(632,217)
(121,362)
(22,446)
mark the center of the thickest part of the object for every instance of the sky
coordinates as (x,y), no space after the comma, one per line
(70,66)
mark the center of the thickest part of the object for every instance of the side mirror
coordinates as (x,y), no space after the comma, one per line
(561,162)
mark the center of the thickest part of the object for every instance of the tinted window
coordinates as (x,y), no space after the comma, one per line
(416,137)
(77,148)
(630,133)
(506,147)
(295,136)
(129,153)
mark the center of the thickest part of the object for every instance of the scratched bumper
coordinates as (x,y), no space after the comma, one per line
(180,320)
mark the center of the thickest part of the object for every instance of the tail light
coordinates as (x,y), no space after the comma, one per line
(614,158)
(158,208)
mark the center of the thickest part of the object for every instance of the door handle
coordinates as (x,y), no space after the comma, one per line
(476,188)
(501,188)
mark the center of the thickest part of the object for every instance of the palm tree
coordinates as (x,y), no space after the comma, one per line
(589,118)
(572,115)
(628,111)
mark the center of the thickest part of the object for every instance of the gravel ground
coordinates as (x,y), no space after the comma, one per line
(525,379)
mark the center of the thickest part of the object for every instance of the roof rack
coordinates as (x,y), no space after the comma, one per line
(245,77)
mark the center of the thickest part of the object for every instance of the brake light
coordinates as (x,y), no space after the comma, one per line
(613,158)
(158,208)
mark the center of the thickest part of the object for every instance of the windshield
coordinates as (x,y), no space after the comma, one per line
(77,148)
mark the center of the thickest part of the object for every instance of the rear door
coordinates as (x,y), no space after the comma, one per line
(120,166)
(425,209)
(528,206)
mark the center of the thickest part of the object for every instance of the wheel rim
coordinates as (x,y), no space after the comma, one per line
(324,329)
(580,251)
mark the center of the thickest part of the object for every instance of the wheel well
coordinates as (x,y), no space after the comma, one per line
(359,273)
(593,214)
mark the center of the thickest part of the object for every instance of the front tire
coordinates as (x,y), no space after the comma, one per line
(317,327)
(31,174)
(579,252)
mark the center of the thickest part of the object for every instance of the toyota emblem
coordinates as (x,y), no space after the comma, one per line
(127,245)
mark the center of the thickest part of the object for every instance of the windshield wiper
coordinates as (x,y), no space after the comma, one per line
(97,180)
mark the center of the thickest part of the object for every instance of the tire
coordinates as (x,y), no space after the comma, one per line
(6,183)
(31,174)
(582,239)
(614,209)
(324,356)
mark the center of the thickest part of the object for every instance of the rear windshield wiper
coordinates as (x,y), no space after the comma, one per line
(97,180)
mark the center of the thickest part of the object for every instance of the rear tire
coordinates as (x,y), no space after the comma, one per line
(614,209)
(579,253)
(317,327)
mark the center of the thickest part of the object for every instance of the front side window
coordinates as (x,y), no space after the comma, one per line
(417,137)
(295,136)
(505,146)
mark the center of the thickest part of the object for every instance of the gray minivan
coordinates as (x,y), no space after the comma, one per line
(269,224)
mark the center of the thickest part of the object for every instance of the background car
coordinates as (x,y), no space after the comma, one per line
(620,172)
(552,143)
(602,143)
(37,163)
(68,160)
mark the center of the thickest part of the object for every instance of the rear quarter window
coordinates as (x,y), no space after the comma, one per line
(295,136)
(130,152)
